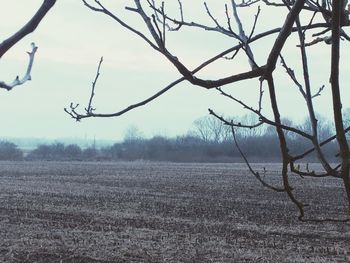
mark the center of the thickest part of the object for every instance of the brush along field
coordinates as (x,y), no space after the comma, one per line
(163,212)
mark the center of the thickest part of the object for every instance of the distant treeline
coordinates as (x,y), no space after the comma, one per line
(258,147)
(209,141)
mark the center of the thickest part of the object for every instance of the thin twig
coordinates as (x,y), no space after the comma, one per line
(89,109)
(256,174)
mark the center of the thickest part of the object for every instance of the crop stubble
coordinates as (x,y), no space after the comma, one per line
(163,212)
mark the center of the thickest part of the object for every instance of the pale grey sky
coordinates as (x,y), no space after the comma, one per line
(71,40)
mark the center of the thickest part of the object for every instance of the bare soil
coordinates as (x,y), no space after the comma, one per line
(164,212)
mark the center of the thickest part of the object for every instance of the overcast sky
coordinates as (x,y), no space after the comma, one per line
(72,39)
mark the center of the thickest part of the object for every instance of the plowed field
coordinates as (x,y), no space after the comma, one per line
(164,212)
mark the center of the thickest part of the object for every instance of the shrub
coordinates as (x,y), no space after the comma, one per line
(9,151)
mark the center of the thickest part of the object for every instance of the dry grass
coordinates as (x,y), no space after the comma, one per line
(161,212)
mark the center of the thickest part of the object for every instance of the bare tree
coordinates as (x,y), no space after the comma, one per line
(28,28)
(132,134)
(249,119)
(323,125)
(311,23)
(210,129)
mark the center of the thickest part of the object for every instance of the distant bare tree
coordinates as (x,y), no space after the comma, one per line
(313,22)
(132,133)
(209,129)
(323,125)
(28,28)
(249,119)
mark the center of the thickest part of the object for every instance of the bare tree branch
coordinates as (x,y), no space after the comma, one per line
(337,14)
(28,27)
(334,14)
(243,37)
(303,155)
(19,81)
(262,118)
(256,174)
(89,109)
(309,102)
